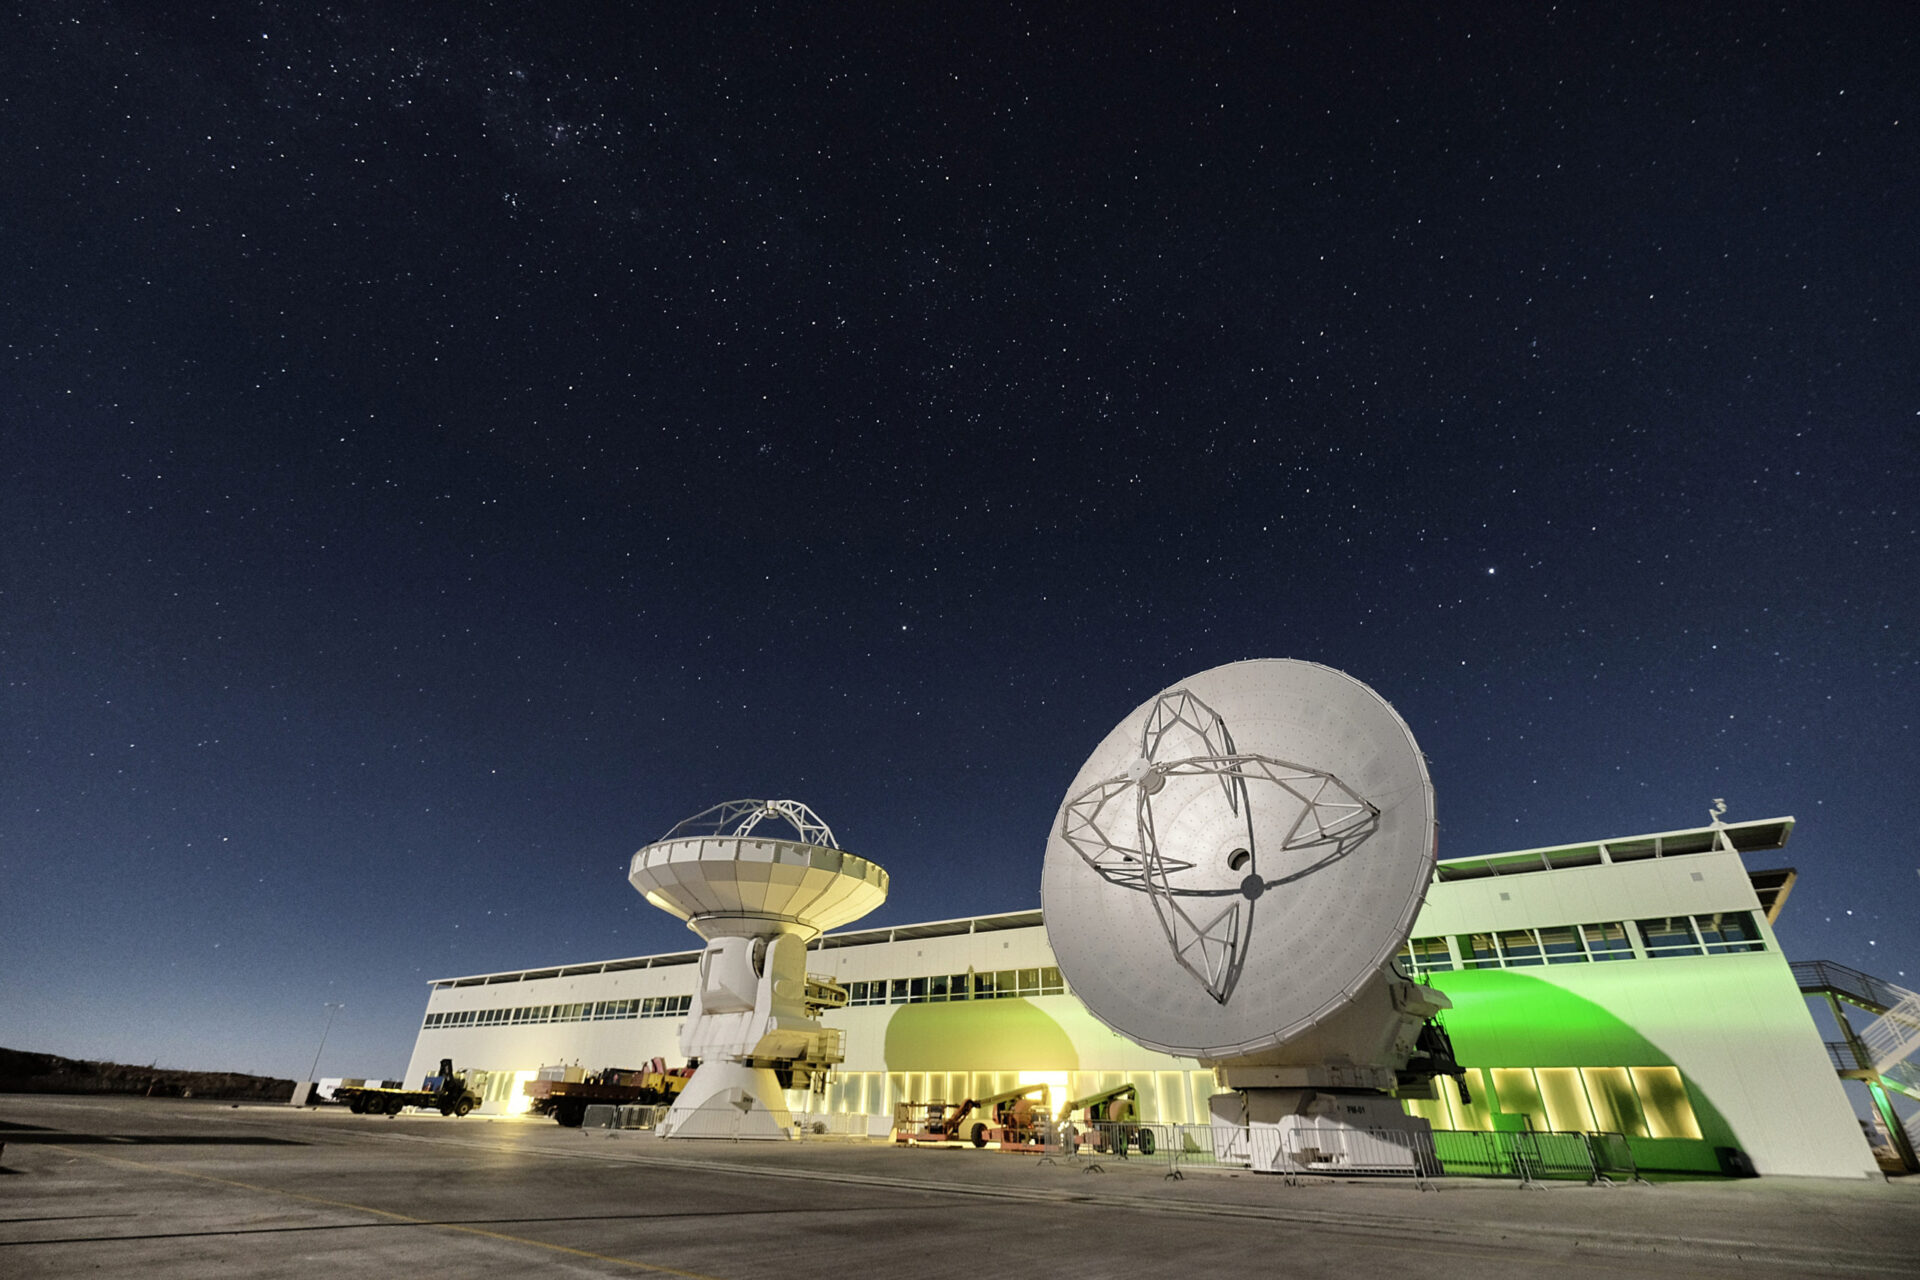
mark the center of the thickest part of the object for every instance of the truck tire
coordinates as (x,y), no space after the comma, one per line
(463,1106)
(979,1135)
(446,1109)
(358,1105)
(394,1105)
(571,1114)
(1146,1142)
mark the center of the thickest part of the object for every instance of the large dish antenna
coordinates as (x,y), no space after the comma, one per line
(724,872)
(1239,860)
(757,899)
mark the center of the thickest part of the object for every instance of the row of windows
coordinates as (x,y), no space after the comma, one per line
(999,985)
(587,1011)
(1719,934)
(1714,935)
(1640,1102)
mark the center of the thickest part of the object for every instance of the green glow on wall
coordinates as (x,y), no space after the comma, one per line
(977,1035)
(1509,1018)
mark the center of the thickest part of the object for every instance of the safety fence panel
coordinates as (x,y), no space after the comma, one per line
(1472,1153)
(1553,1155)
(1110,1141)
(1530,1157)
(622,1116)
(1337,1150)
(1200,1146)
(840,1124)
(1612,1157)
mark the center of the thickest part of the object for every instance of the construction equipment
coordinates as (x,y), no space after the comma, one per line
(446,1093)
(567,1100)
(1109,1123)
(1017,1120)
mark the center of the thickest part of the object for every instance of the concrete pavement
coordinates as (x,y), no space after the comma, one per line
(193,1189)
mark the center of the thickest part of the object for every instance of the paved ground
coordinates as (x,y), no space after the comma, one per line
(96,1186)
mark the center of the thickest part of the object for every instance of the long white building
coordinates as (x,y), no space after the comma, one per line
(1628,985)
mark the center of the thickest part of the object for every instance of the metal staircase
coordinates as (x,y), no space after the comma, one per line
(1887,1046)
(1893,1039)
(1904,1076)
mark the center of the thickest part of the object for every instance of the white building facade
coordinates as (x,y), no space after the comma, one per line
(1630,986)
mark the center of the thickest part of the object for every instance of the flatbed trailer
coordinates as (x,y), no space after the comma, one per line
(446,1093)
(567,1100)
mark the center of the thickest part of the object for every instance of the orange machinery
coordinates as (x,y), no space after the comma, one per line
(1017,1120)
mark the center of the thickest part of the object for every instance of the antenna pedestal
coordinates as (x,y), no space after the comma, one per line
(1320,1131)
(729,1100)
(1322,1103)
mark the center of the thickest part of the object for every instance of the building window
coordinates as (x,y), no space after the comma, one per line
(1561,945)
(1729,931)
(898,994)
(1669,936)
(1639,1102)
(1663,1096)
(1477,951)
(1607,941)
(1426,955)
(1519,948)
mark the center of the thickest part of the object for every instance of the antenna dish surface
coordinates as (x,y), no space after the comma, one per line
(1238,858)
(725,874)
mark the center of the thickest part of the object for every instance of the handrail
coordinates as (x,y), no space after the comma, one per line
(1845,1056)
(1874,994)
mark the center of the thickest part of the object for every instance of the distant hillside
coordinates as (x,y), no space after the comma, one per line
(47,1073)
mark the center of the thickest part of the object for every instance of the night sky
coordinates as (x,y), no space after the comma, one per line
(446,445)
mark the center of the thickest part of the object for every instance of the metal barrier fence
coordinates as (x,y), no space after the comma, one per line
(1303,1151)
(840,1124)
(1087,1143)
(603,1115)
(1531,1157)
(1336,1151)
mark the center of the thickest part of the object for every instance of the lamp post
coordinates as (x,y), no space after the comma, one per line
(333,1011)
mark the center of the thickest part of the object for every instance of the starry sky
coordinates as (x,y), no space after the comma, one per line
(447,444)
